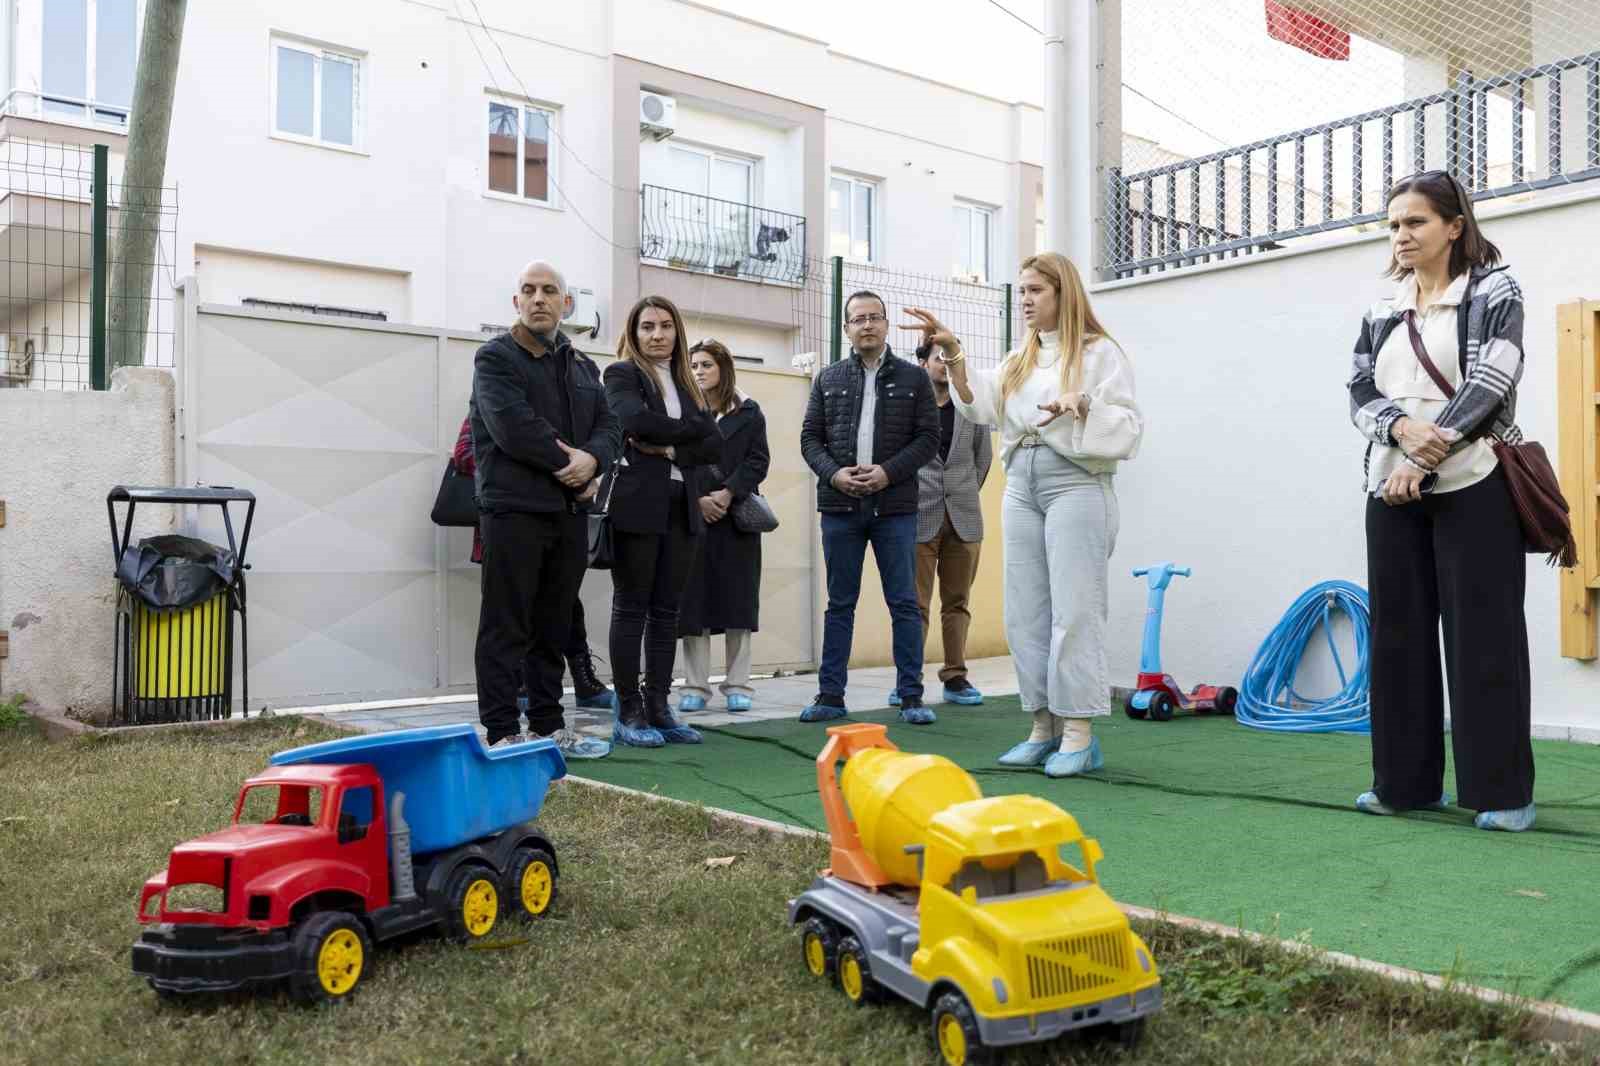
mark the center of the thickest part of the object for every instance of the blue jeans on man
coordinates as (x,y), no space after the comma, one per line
(844,549)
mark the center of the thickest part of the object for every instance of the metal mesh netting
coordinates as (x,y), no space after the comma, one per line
(976,313)
(47,293)
(1247,123)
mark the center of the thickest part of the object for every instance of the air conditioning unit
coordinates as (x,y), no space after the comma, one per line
(658,114)
(585,316)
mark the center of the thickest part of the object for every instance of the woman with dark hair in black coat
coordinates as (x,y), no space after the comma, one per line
(656,523)
(724,590)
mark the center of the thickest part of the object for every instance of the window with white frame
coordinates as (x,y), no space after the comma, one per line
(852,218)
(974,241)
(316,94)
(520,159)
(88,48)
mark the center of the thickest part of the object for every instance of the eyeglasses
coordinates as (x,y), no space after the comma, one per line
(862,320)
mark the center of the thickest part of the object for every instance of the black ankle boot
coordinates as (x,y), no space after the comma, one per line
(587,688)
(662,720)
(632,726)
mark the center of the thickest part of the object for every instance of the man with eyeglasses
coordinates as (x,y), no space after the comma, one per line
(870,425)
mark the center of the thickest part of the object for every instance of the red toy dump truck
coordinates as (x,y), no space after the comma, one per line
(339,845)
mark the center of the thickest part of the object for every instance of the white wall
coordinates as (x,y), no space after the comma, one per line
(231,277)
(57,589)
(1250,470)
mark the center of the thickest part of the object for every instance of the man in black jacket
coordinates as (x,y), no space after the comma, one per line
(870,425)
(542,434)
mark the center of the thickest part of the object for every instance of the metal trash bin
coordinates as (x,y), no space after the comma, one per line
(176,598)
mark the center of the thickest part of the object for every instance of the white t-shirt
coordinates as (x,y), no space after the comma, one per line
(669,396)
(1110,433)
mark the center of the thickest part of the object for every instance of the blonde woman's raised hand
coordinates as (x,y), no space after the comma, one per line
(932,330)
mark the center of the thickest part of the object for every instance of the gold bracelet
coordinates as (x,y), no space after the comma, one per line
(961,357)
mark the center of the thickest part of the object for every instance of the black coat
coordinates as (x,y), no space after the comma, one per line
(514,426)
(638,501)
(724,587)
(905,434)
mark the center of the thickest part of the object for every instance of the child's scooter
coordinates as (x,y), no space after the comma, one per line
(1158,695)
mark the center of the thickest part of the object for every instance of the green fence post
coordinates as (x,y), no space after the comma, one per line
(1005,350)
(97,276)
(835,352)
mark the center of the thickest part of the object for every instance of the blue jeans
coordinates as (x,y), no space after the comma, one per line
(844,548)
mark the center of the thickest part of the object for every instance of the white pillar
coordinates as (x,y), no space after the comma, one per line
(1072,190)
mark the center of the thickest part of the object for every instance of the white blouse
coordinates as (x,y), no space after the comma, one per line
(1112,430)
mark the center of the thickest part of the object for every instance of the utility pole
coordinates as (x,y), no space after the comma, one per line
(143,178)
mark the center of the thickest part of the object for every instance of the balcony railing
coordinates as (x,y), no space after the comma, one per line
(1206,208)
(694,232)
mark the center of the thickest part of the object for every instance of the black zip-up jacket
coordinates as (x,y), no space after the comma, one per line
(514,426)
(905,433)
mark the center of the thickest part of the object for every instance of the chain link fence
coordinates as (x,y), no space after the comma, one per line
(983,316)
(75,298)
(1250,123)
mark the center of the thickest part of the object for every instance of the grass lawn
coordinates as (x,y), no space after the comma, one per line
(648,956)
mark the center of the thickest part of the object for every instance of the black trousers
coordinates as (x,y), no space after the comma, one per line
(532,566)
(1455,559)
(648,576)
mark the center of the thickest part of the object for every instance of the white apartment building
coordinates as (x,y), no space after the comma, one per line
(400,159)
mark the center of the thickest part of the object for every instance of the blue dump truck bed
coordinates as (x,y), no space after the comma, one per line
(456,789)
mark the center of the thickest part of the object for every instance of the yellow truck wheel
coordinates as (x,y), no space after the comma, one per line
(955,1033)
(530,883)
(855,973)
(819,947)
(331,953)
(472,903)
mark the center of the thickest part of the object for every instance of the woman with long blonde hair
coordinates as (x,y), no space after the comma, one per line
(654,503)
(1067,414)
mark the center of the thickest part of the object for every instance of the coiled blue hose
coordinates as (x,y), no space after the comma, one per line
(1267,697)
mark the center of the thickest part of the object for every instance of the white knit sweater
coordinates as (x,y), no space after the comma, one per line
(1110,433)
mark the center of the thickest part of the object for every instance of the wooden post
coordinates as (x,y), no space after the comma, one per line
(1578,352)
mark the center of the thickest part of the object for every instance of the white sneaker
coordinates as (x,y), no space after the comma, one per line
(575,745)
(510,739)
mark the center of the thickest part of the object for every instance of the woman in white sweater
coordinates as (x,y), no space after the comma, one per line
(1065,406)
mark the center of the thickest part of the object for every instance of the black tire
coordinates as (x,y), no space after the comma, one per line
(332,953)
(530,883)
(819,947)
(1227,700)
(854,972)
(1136,713)
(1130,1033)
(1161,707)
(471,904)
(951,1015)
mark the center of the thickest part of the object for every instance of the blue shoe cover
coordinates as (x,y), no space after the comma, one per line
(967,697)
(690,702)
(1513,821)
(738,703)
(822,712)
(1029,753)
(630,737)
(680,734)
(894,698)
(1369,803)
(605,700)
(917,714)
(1079,762)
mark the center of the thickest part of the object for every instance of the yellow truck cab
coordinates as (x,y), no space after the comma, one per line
(986,912)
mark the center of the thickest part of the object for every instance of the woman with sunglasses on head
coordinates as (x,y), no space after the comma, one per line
(723,594)
(1435,374)
(1065,406)
(656,522)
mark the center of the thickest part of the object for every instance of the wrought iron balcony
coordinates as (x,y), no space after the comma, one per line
(693,232)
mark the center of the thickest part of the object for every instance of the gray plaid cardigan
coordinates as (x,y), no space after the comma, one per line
(953,484)
(1489,324)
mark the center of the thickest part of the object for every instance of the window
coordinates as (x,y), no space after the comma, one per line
(852,218)
(704,214)
(974,233)
(355,814)
(519,151)
(89,47)
(316,94)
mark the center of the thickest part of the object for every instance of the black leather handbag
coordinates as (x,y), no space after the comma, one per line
(601,550)
(753,514)
(455,504)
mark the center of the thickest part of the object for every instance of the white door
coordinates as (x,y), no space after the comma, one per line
(706,209)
